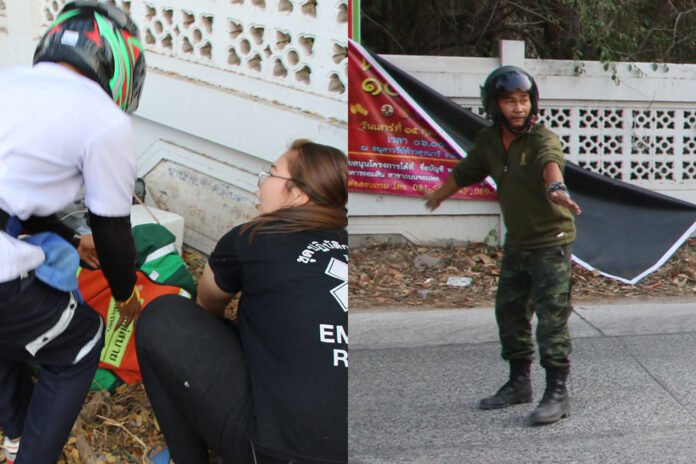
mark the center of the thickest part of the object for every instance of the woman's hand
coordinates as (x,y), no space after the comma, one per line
(87,251)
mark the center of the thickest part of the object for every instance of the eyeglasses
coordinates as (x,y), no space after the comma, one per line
(265,173)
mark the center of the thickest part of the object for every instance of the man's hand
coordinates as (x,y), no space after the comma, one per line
(129,310)
(436,197)
(562,198)
(556,189)
(87,251)
(432,200)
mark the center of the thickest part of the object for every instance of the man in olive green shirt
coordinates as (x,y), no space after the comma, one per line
(526,162)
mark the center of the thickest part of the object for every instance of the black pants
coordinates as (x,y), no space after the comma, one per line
(43,414)
(196,378)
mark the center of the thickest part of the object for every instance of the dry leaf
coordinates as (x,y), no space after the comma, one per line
(394,273)
(480,262)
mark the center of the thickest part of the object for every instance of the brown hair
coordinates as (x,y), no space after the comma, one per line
(321,172)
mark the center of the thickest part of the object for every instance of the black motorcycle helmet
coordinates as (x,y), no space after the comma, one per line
(502,81)
(102,42)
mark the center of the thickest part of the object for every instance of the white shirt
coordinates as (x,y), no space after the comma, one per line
(59,131)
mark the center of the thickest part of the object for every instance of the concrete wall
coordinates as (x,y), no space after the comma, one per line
(229,85)
(635,122)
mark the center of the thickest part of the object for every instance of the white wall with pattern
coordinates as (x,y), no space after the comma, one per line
(634,122)
(230,84)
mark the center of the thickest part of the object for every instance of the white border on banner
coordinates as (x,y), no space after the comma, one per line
(415,106)
(668,254)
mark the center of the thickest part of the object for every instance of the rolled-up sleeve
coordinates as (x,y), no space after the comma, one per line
(470,170)
(549,150)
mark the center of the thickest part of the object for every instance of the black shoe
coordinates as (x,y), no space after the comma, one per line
(517,390)
(554,405)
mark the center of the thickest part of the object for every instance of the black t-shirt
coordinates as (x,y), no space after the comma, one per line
(293,323)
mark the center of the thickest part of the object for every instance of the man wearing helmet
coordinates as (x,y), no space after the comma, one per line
(526,162)
(63,128)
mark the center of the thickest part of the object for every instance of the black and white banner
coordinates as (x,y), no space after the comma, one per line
(625,232)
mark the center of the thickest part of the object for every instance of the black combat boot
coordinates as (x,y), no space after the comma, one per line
(517,390)
(554,405)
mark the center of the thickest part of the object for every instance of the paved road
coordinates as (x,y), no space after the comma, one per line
(416,377)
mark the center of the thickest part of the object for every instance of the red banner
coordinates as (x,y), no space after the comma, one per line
(392,149)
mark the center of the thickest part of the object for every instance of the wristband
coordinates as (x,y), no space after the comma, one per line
(136,294)
(556,186)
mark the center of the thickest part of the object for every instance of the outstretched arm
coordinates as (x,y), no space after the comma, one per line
(557,191)
(115,248)
(434,198)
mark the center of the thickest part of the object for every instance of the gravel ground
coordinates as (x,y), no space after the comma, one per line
(406,275)
(120,427)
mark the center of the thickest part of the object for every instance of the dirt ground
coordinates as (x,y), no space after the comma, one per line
(118,427)
(407,276)
(121,427)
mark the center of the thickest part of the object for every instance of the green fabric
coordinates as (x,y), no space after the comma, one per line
(170,268)
(164,267)
(104,379)
(531,219)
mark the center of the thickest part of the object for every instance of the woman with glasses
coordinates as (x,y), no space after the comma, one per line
(272,388)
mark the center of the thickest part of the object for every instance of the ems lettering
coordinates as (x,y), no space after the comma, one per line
(332,334)
(335,334)
(340,357)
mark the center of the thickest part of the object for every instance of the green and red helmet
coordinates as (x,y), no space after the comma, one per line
(101,41)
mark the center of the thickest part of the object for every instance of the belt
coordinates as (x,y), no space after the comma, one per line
(4,218)
(18,285)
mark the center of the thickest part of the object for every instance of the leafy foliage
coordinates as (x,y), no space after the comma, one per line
(604,30)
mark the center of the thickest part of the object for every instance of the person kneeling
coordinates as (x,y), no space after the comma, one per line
(274,388)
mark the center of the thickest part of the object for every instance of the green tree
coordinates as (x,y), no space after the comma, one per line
(605,30)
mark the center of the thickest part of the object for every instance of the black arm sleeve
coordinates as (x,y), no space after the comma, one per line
(48,224)
(116,251)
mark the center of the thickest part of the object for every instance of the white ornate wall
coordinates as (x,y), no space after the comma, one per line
(288,51)
(230,84)
(637,124)
(3,17)
(651,147)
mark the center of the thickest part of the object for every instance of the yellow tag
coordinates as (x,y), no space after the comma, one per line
(116,341)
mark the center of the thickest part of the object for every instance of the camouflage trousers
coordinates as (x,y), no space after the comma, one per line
(535,281)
